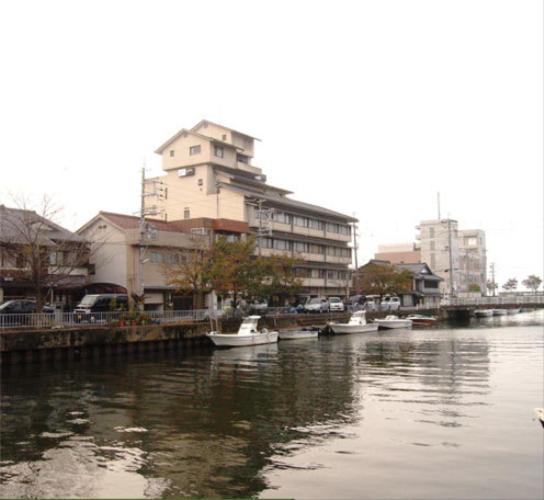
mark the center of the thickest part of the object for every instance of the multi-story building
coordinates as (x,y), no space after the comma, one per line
(209,173)
(472,261)
(399,253)
(439,246)
(119,267)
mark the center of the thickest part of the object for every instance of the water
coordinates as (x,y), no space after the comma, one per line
(405,414)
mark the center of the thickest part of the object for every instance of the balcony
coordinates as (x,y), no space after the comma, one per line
(319,282)
(338,260)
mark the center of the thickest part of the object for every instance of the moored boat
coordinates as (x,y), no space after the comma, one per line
(298,334)
(420,320)
(248,334)
(483,313)
(513,311)
(391,322)
(356,324)
(500,312)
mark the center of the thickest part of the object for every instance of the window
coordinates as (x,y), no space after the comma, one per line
(301,247)
(315,224)
(241,158)
(224,137)
(219,151)
(156,257)
(194,150)
(267,243)
(186,213)
(300,221)
(172,153)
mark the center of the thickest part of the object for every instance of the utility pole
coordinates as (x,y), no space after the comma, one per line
(143,229)
(492,269)
(450,257)
(438,203)
(260,208)
(355,248)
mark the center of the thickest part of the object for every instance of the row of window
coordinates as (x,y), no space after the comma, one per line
(302,272)
(309,222)
(305,247)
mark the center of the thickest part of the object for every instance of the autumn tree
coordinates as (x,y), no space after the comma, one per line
(190,273)
(280,278)
(42,253)
(532,282)
(381,279)
(510,284)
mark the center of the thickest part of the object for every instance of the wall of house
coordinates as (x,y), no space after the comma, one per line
(181,148)
(108,253)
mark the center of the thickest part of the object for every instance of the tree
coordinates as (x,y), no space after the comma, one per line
(492,286)
(381,279)
(510,284)
(43,254)
(279,277)
(474,288)
(532,282)
(190,273)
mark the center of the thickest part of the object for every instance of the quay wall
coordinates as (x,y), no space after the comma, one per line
(37,345)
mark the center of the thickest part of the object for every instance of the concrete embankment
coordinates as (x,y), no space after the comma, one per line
(40,345)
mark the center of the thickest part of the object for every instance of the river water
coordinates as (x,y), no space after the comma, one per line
(442,413)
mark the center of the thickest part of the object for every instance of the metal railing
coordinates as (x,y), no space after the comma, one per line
(494,301)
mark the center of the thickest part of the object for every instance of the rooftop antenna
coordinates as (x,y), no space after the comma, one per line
(438,203)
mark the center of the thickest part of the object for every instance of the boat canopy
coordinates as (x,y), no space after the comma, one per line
(249,324)
(357,318)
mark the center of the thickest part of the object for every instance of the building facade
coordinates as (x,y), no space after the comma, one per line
(439,243)
(209,172)
(399,253)
(119,267)
(472,261)
(39,257)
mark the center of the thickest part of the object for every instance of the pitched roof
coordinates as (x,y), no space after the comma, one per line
(178,134)
(133,222)
(421,269)
(202,122)
(16,224)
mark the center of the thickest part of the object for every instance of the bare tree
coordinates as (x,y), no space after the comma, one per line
(37,251)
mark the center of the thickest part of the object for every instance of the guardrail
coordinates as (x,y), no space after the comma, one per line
(494,301)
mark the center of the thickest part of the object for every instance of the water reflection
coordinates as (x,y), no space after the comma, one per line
(230,423)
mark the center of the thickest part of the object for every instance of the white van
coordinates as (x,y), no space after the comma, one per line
(390,303)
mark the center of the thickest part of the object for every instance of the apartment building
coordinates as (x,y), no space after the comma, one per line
(472,261)
(116,246)
(209,172)
(439,245)
(399,253)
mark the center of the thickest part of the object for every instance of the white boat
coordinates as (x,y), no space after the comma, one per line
(248,334)
(420,320)
(510,312)
(356,324)
(483,313)
(500,312)
(298,334)
(391,321)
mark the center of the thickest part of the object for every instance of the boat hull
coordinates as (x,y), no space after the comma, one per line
(393,324)
(422,321)
(298,334)
(340,328)
(500,312)
(237,340)
(511,312)
(483,313)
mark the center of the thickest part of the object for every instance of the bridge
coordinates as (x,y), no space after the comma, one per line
(464,306)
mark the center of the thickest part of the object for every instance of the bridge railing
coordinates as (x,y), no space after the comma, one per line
(494,301)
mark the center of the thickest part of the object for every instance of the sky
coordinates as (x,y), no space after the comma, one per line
(364,107)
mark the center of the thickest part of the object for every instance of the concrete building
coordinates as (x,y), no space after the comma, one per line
(209,173)
(472,261)
(439,243)
(116,246)
(399,253)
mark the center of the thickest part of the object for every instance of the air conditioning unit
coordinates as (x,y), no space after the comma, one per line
(260,177)
(184,172)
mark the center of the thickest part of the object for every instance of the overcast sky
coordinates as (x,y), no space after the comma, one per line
(366,107)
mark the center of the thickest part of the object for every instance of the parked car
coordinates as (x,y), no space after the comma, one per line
(390,303)
(372,302)
(317,304)
(14,312)
(95,304)
(336,304)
